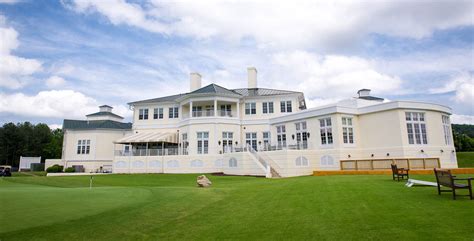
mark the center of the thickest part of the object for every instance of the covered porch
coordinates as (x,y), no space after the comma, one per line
(212,107)
(150,144)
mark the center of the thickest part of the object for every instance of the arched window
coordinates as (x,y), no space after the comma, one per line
(138,164)
(232,162)
(154,164)
(301,161)
(197,163)
(327,160)
(120,164)
(172,163)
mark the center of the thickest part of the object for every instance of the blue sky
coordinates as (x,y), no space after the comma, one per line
(61,59)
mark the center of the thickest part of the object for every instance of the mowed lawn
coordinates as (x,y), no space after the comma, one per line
(171,207)
(465,159)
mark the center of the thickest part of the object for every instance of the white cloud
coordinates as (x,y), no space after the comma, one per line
(465,94)
(463,86)
(55,126)
(13,69)
(9,1)
(66,104)
(55,81)
(330,76)
(54,103)
(314,24)
(121,12)
(462,119)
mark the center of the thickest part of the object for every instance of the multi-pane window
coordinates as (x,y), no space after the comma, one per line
(203,142)
(184,143)
(347,130)
(325,127)
(143,114)
(266,140)
(227,138)
(267,107)
(158,113)
(301,135)
(285,106)
(416,128)
(173,112)
(83,146)
(250,108)
(281,135)
(447,129)
(251,139)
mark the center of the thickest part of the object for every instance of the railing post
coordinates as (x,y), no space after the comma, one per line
(371,164)
(356,165)
(408,163)
(424,164)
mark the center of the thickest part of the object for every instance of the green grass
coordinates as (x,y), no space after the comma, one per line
(171,207)
(465,159)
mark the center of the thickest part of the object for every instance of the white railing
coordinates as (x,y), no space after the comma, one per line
(264,162)
(152,152)
(202,113)
(209,113)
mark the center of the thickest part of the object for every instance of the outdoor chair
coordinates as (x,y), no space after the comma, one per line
(445,179)
(399,172)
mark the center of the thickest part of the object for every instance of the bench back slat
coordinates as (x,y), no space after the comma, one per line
(444,177)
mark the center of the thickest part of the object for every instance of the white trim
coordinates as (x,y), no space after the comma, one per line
(327,110)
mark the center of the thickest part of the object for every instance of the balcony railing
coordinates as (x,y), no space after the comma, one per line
(152,152)
(210,113)
(203,113)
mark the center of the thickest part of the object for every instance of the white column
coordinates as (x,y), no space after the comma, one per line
(215,107)
(238,109)
(190,109)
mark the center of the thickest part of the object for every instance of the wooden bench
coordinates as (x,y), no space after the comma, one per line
(399,172)
(445,179)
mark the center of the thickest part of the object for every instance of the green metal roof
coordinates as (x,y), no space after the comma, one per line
(104,113)
(217,89)
(160,99)
(263,92)
(214,89)
(95,124)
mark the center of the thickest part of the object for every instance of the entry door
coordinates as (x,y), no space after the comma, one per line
(227,141)
(301,135)
(251,139)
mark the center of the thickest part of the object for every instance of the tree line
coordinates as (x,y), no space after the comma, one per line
(26,139)
(463,137)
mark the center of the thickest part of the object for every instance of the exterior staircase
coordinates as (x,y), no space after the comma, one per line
(264,162)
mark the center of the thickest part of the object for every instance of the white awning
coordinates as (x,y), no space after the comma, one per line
(149,137)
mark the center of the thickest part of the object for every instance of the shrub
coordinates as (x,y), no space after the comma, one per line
(55,168)
(70,169)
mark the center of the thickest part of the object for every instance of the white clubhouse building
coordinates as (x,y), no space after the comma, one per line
(260,131)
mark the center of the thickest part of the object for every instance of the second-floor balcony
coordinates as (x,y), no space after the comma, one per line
(215,107)
(210,113)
